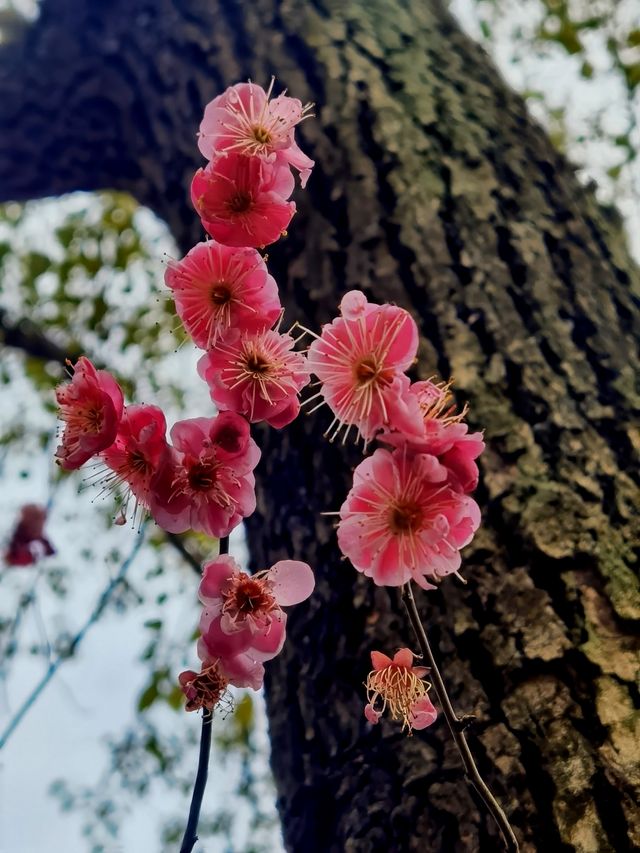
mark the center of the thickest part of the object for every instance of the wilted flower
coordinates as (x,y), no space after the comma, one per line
(204,689)
(397,686)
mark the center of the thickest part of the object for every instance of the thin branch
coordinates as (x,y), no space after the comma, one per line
(184,552)
(26,336)
(73,646)
(457,725)
(191,831)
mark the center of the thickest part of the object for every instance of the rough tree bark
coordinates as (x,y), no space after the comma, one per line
(436,190)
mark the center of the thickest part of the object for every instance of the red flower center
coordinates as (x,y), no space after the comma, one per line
(406,517)
(368,371)
(240,202)
(257,364)
(221,293)
(202,476)
(249,596)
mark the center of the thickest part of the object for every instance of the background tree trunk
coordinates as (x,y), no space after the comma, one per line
(433,189)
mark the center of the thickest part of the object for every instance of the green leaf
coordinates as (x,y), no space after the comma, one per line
(148,697)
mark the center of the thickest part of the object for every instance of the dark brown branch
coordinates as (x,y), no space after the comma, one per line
(26,336)
(191,831)
(457,725)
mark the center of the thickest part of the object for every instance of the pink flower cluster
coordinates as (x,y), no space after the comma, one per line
(243,624)
(202,479)
(409,512)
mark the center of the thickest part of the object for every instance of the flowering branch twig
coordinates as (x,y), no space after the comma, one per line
(73,645)
(191,832)
(457,725)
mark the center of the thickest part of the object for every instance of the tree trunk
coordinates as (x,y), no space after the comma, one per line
(434,189)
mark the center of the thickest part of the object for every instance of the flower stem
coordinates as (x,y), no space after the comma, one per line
(191,832)
(457,725)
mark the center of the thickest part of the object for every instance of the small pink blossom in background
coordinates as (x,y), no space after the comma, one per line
(440,432)
(217,287)
(244,120)
(205,483)
(256,374)
(402,521)
(136,454)
(360,359)
(397,686)
(243,201)
(243,613)
(28,542)
(91,407)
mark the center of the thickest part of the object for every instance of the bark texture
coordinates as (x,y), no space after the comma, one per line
(433,189)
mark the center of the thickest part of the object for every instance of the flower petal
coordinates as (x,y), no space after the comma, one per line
(292,581)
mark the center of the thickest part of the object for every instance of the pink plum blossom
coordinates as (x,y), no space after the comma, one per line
(28,542)
(440,432)
(216,287)
(244,120)
(360,359)
(136,454)
(243,613)
(397,686)
(205,482)
(91,407)
(256,374)
(243,201)
(402,521)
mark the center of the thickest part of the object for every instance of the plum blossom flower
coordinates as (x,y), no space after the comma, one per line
(244,120)
(397,685)
(205,482)
(204,689)
(256,374)
(243,201)
(360,359)
(402,521)
(216,287)
(28,542)
(136,454)
(441,432)
(91,406)
(243,620)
